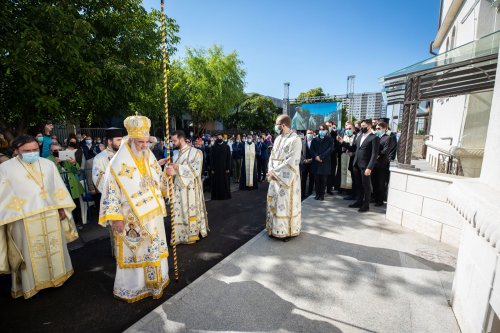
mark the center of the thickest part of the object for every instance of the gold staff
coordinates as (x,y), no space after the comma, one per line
(167,135)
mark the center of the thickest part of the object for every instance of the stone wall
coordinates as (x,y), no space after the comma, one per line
(417,200)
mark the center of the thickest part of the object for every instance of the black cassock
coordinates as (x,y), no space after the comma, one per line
(220,163)
(243,177)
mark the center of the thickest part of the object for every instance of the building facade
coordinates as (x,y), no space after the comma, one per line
(457,122)
(367,105)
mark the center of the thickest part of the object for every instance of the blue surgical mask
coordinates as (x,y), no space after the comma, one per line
(348,132)
(237,140)
(322,133)
(249,140)
(40,139)
(309,136)
(379,133)
(88,142)
(30,157)
(277,129)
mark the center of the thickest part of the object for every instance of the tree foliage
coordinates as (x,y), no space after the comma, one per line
(256,112)
(215,83)
(315,92)
(78,60)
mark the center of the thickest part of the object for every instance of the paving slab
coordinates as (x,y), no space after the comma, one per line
(346,272)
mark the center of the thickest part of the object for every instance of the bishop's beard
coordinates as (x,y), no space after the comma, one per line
(139,154)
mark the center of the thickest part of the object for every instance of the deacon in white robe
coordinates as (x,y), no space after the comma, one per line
(283,219)
(190,215)
(35,221)
(249,179)
(101,161)
(132,202)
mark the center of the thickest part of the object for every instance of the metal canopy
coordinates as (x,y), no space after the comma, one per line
(465,69)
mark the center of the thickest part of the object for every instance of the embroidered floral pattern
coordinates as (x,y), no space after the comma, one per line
(16,203)
(144,201)
(61,194)
(127,171)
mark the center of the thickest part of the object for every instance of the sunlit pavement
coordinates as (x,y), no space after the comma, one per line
(346,272)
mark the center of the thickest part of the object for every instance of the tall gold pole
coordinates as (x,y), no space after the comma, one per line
(167,136)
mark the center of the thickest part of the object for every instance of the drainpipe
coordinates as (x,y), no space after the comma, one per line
(439,25)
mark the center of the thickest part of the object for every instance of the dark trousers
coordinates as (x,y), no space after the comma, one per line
(332,178)
(77,212)
(363,186)
(264,168)
(304,175)
(379,179)
(259,168)
(320,184)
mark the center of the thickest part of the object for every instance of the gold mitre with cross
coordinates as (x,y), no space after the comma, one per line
(137,126)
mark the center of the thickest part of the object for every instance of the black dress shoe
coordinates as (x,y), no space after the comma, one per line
(355,205)
(364,209)
(316,197)
(379,204)
(321,198)
(349,197)
(286,239)
(329,192)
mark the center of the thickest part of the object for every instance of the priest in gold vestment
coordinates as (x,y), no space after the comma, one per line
(283,218)
(132,202)
(190,216)
(35,221)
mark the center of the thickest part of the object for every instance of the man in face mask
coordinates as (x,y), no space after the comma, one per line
(219,166)
(248,178)
(33,195)
(333,180)
(305,165)
(237,157)
(366,146)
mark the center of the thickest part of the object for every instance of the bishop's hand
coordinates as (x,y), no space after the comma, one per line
(170,170)
(117,226)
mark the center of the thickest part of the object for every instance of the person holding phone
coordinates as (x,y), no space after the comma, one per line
(70,172)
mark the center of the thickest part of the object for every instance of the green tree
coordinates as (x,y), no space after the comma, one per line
(215,83)
(80,60)
(256,112)
(315,92)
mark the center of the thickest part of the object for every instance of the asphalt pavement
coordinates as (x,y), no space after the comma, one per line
(85,303)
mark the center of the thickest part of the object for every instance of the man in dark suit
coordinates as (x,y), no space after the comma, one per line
(381,170)
(321,150)
(367,145)
(305,165)
(334,177)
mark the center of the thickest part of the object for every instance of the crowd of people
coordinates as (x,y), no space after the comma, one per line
(134,181)
(353,161)
(133,184)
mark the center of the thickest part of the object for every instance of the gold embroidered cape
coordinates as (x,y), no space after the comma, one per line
(283,217)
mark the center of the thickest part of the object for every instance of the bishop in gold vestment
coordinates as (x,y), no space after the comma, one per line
(35,221)
(132,202)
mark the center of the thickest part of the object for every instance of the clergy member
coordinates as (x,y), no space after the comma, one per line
(283,219)
(132,203)
(220,166)
(101,161)
(190,215)
(248,178)
(35,225)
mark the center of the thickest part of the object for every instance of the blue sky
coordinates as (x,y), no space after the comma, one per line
(315,43)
